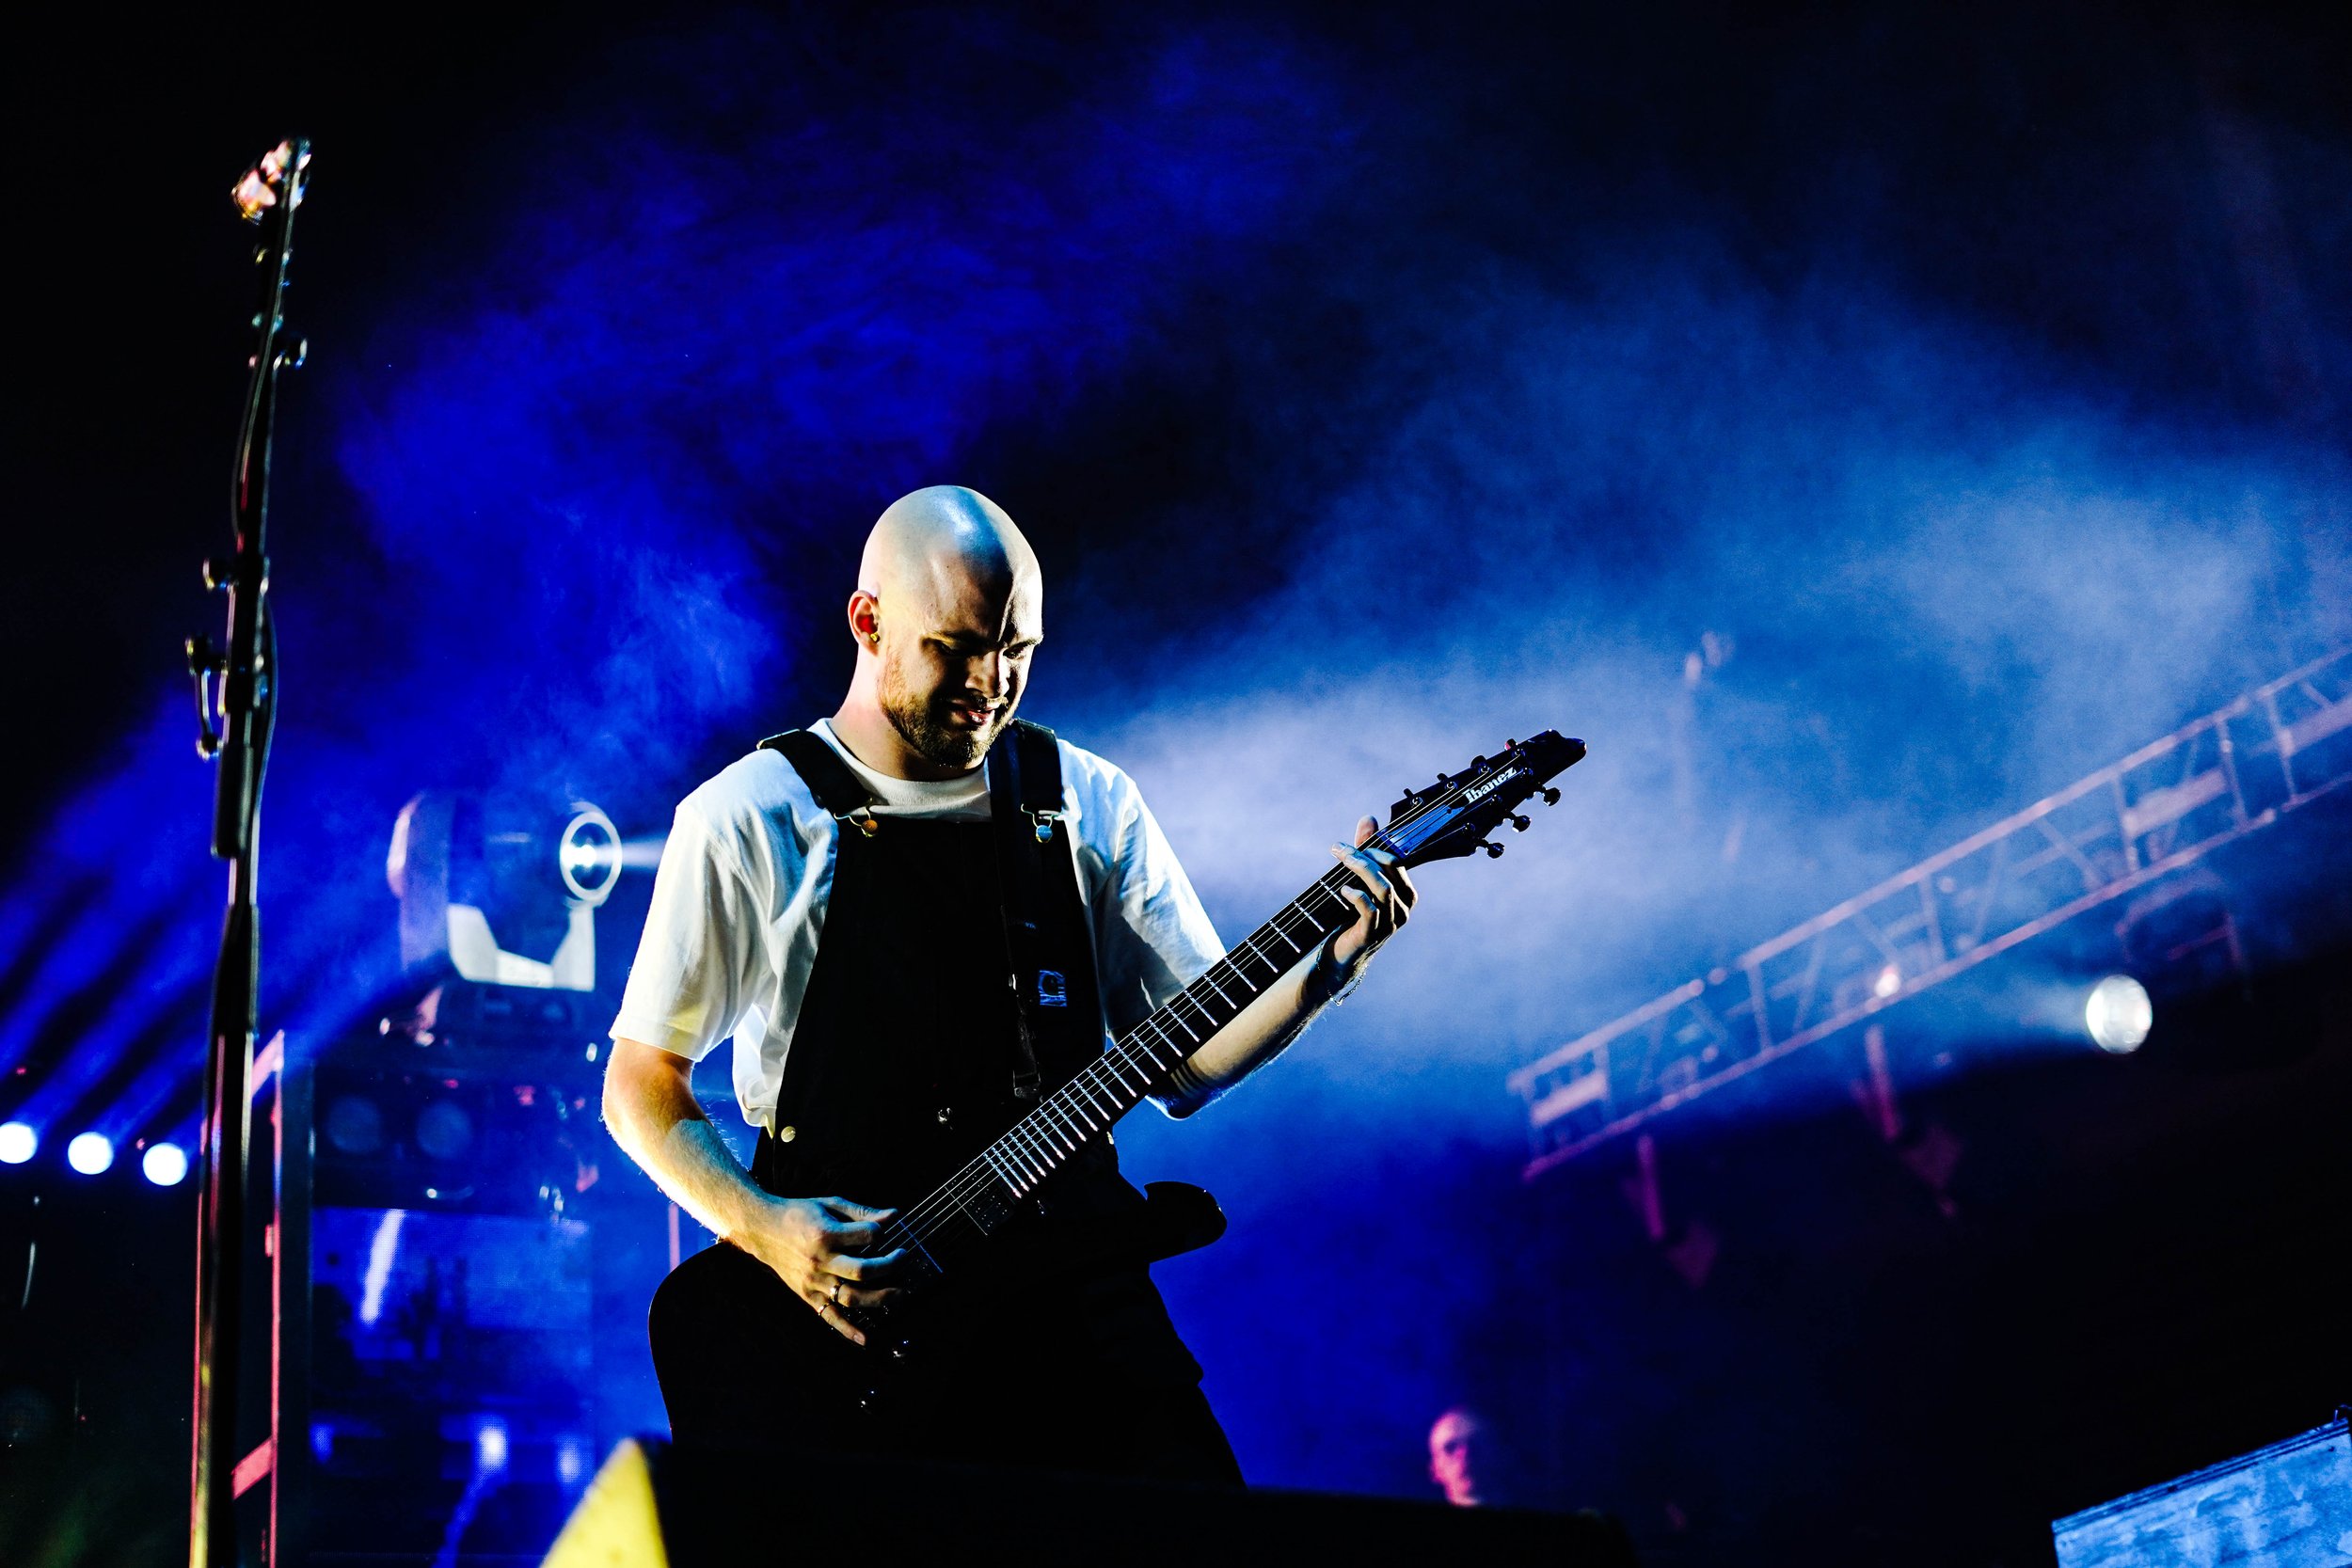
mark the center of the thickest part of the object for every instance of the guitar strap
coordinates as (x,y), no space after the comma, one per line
(1035,862)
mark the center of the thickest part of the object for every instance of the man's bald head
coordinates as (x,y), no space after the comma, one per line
(949,606)
(928,545)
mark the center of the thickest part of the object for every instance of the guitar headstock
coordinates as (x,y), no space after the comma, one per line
(1452,817)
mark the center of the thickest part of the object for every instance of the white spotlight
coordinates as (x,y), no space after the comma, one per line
(165,1165)
(490,1445)
(17,1143)
(90,1152)
(2119,1014)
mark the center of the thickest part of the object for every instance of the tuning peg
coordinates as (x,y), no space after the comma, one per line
(1519,823)
(1551,796)
(1477,763)
(1494,851)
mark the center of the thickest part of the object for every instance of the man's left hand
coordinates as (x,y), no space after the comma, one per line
(1383,903)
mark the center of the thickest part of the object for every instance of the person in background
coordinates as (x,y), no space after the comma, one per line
(1460,1459)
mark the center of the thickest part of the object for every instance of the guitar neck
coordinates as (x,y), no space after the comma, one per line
(982,1194)
(1116,1082)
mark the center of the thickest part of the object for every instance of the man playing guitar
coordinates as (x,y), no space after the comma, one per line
(858,959)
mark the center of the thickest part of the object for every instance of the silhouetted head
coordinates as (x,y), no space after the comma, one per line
(1458,1454)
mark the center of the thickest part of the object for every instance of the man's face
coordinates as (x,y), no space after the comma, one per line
(1451,1443)
(952,674)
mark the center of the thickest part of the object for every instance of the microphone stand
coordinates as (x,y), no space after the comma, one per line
(236,710)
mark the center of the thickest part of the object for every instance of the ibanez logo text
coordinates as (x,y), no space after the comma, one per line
(1473,796)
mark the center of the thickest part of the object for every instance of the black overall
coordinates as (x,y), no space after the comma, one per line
(900,1069)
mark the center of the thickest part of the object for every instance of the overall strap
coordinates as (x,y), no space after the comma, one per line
(829,779)
(1024,799)
(843,796)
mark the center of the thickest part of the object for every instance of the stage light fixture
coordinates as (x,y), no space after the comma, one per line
(18,1143)
(2119,1014)
(90,1154)
(589,854)
(165,1165)
(502,892)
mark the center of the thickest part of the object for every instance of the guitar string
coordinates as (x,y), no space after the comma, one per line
(1034,1139)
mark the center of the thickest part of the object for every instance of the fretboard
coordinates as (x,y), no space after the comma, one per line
(984,1191)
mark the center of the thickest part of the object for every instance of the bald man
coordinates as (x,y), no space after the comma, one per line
(862,976)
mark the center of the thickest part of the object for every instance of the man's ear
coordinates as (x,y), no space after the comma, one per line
(866,619)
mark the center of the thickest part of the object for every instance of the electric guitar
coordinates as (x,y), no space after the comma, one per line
(723,1311)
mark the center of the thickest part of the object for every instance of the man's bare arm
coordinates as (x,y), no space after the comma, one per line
(817,1245)
(1280,1013)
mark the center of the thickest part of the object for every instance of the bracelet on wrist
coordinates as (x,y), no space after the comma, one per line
(1332,980)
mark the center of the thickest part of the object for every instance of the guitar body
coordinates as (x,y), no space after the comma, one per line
(744,1363)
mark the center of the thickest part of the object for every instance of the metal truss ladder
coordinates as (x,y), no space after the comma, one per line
(2228,774)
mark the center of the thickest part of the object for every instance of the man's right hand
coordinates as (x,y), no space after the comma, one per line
(824,1249)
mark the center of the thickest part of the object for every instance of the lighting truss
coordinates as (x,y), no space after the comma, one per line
(2228,774)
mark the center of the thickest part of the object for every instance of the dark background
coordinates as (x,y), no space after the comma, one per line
(1369,378)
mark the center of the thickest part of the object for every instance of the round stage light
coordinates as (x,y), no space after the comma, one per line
(165,1165)
(2119,1014)
(589,854)
(90,1152)
(18,1141)
(444,1129)
(354,1126)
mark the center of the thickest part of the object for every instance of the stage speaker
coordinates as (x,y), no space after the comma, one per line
(655,1505)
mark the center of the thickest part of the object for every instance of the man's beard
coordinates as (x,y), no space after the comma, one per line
(928,731)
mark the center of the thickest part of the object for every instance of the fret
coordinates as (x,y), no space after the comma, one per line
(1152,1055)
(1274,971)
(1202,1032)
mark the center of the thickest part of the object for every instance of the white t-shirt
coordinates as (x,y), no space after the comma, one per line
(738,906)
